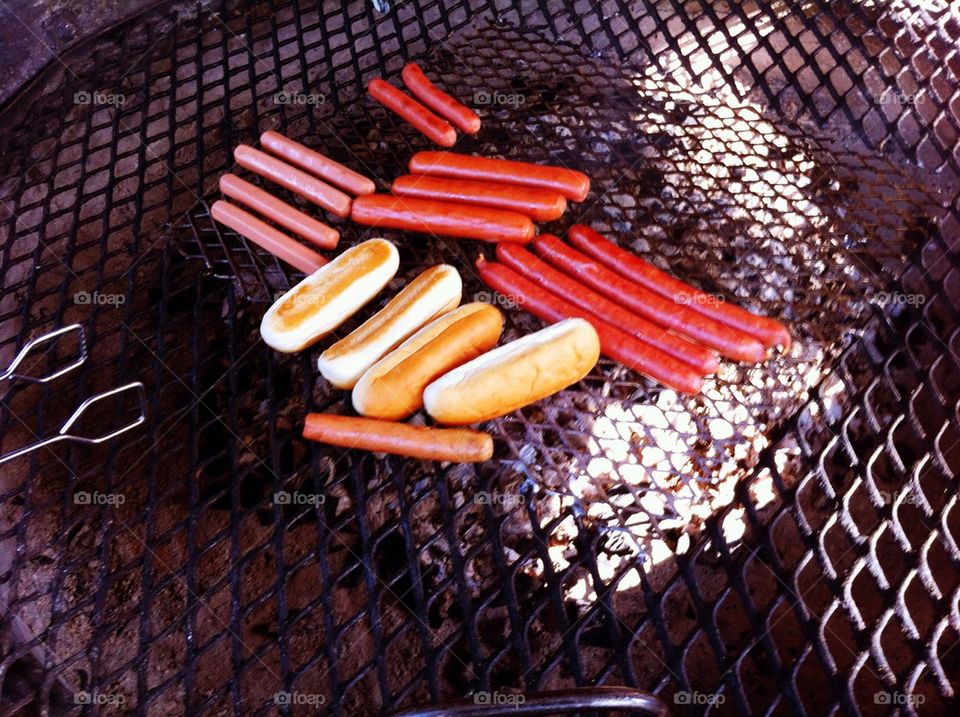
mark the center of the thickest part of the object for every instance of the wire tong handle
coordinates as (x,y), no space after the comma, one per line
(11,371)
(64,433)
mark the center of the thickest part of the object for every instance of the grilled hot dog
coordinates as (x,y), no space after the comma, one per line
(298,182)
(629,265)
(315,163)
(461,116)
(568,182)
(540,204)
(537,271)
(458,445)
(266,237)
(282,213)
(432,127)
(631,352)
(444,218)
(676,317)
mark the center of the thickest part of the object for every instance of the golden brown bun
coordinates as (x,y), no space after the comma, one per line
(329,296)
(515,374)
(393,387)
(432,293)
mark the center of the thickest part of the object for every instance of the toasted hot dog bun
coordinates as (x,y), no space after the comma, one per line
(329,296)
(515,374)
(393,387)
(434,292)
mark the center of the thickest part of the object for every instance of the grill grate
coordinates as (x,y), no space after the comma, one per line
(792,526)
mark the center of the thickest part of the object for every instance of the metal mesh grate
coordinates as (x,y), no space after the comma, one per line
(792,526)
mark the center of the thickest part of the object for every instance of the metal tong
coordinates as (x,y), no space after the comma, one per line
(11,373)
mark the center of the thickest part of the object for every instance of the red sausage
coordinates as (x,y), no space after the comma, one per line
(628,264)
(282,213)
(461,116)
(538,204)
(265,236)
(460,445)
(298,182)
(568,182)
(315,163)
(631,352)
(676,317)
(537,271)
(432,127)
(429,217)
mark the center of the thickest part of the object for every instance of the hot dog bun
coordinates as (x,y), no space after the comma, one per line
(329,296)
(393,387)
(515,374)
(434,292)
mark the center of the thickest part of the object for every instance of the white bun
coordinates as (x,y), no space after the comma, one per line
(515,374)
(329,296)
(434,292)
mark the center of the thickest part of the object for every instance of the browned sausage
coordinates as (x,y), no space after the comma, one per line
(629,265)
(539,204)
(568,182)
(444,218)
(459,445)
(676,317)
(529,266)
(432,127)
(464,118)
(628,350)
